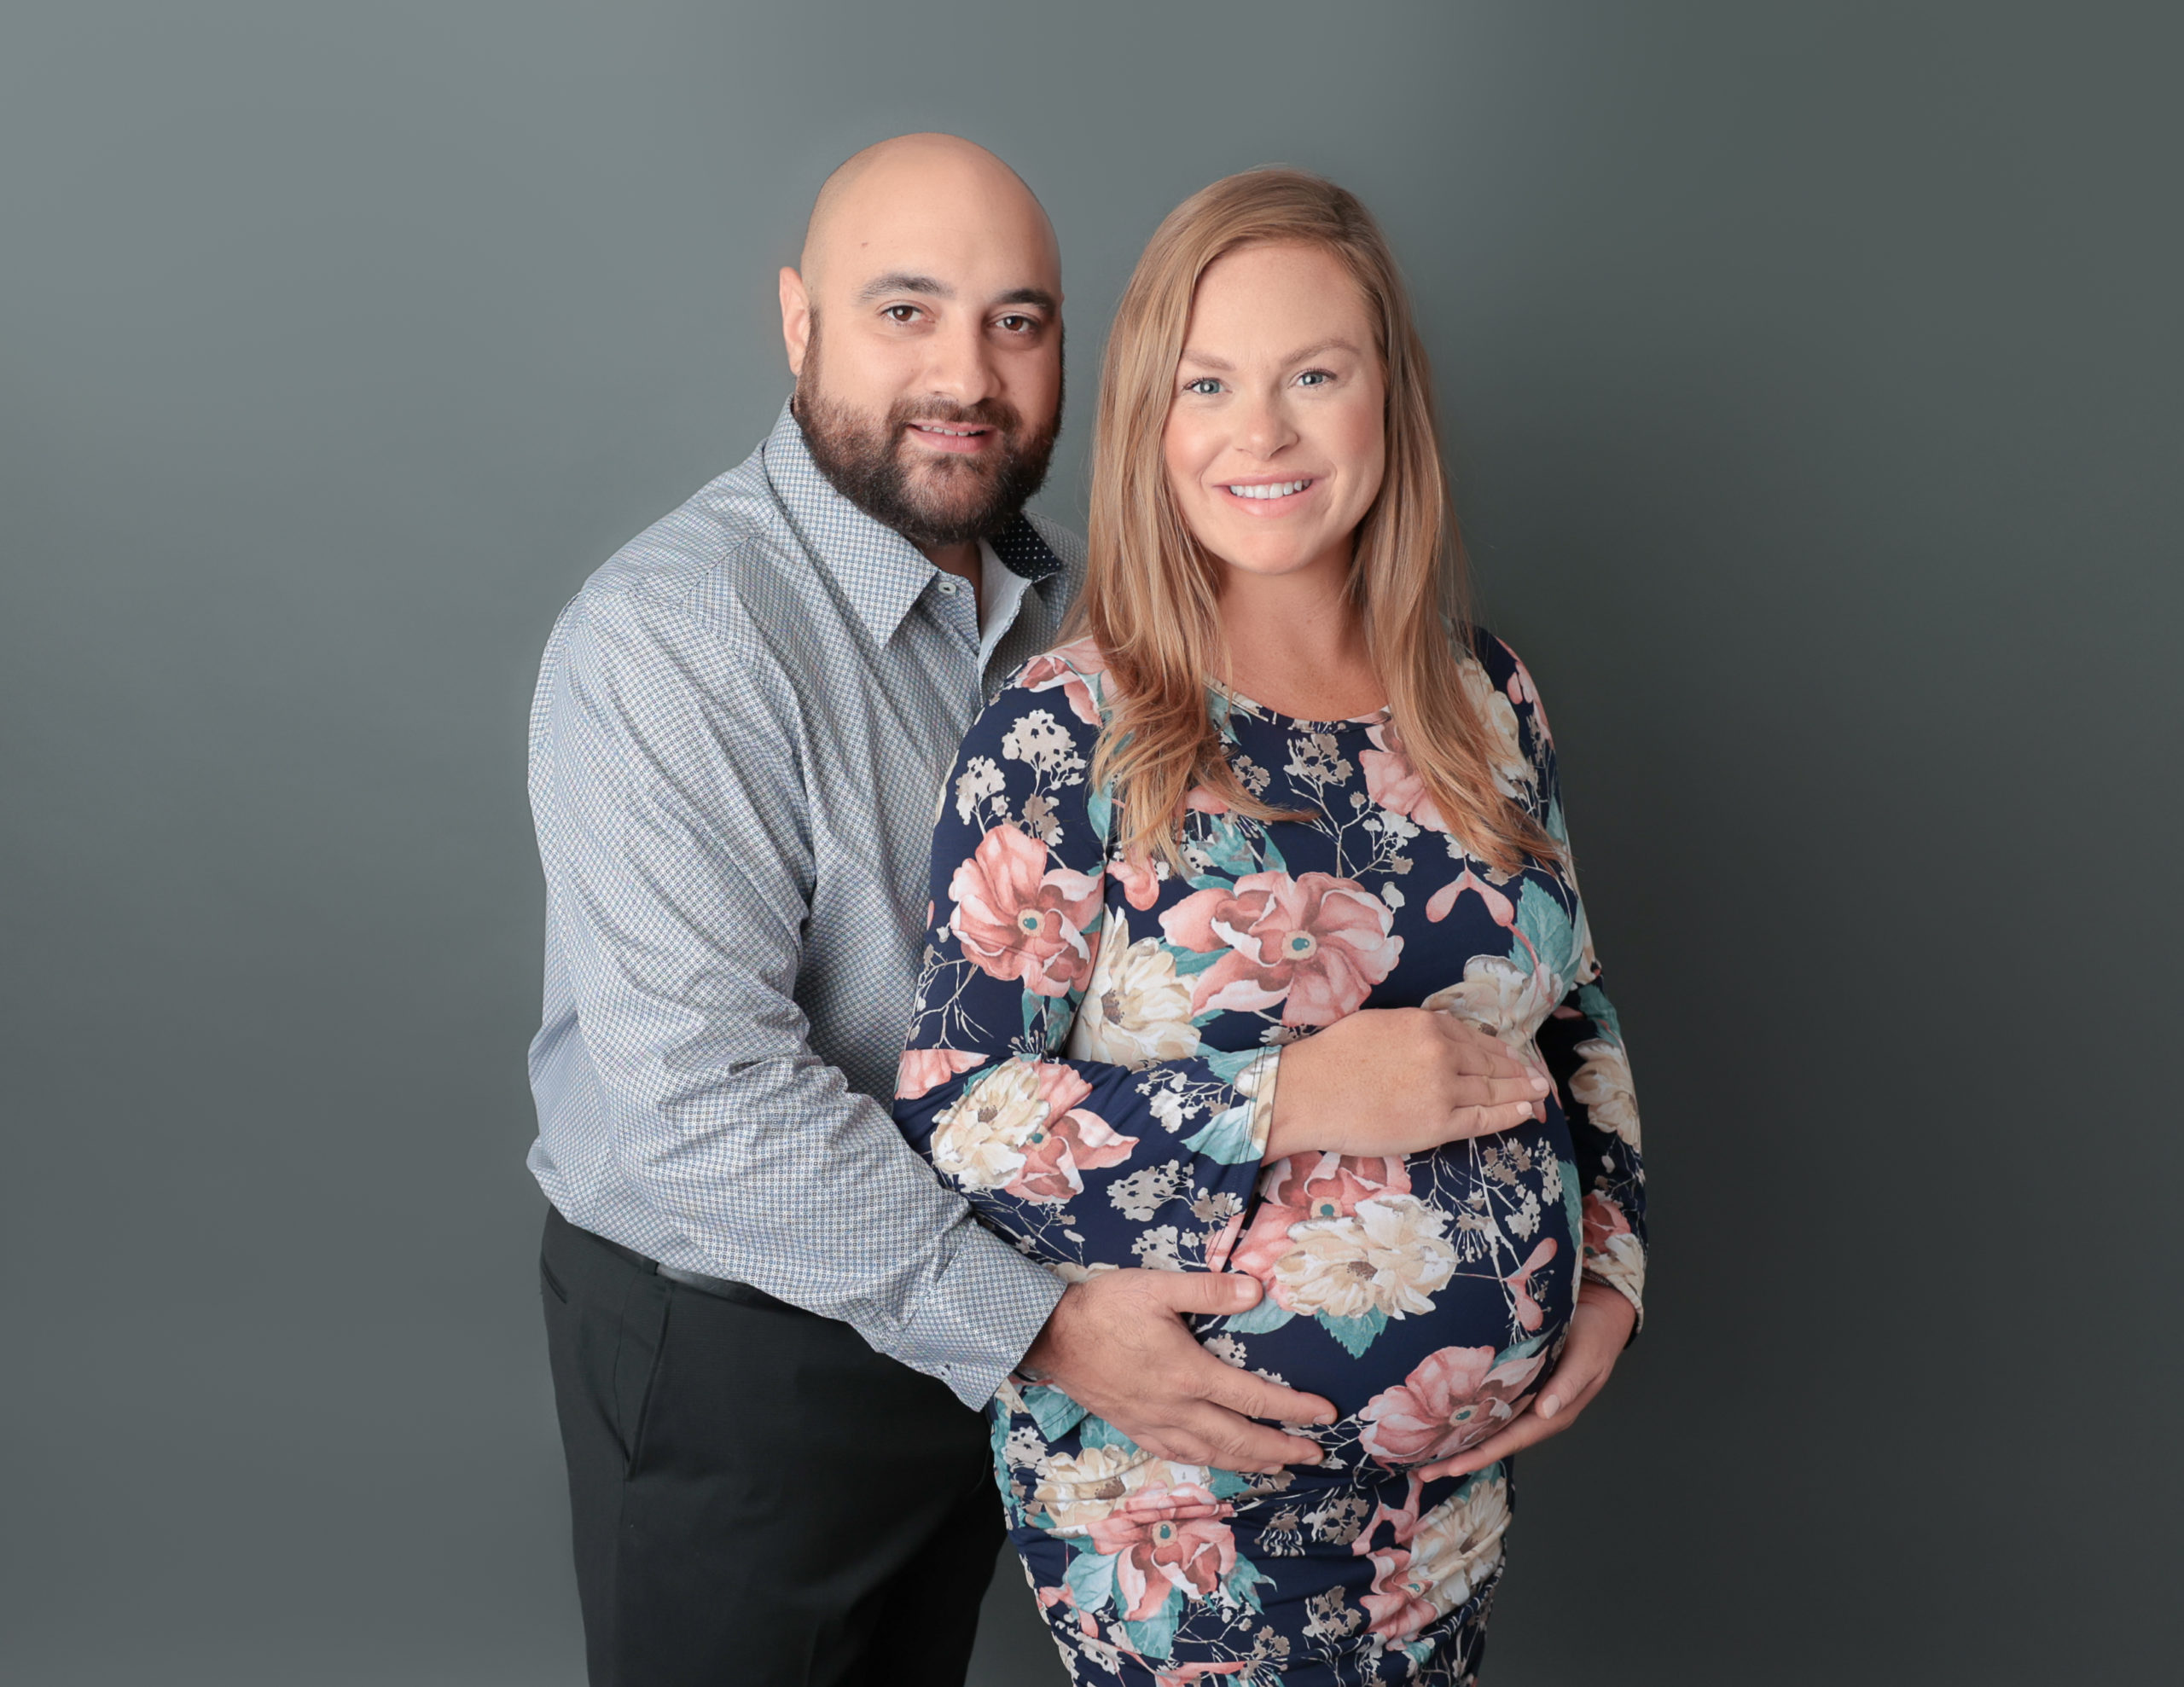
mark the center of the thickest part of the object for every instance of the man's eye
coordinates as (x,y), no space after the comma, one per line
(901,313)
(1019,324)
(1206,386)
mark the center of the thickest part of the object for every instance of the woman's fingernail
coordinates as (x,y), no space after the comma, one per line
(1550,1406)
(1539,1084)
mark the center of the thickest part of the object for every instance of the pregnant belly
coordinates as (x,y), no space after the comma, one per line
(1425,1297)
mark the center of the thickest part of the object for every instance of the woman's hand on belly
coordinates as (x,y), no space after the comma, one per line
(1396,1082)
(1600,1328)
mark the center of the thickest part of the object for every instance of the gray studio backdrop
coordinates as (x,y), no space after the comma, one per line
(1813,375)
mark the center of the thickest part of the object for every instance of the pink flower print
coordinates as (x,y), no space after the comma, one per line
(1199,800)
(1184,1674)
(1016,920)
(1604,1222)
(1141,884)
(1502,911)
(1164,1538)
(1519,1284)
(1069,1142)
(1402,1600)
(1522,691)
(1456,1398)
(1330,1186)
(1055,668)
(1309,1186)
(1393,783)
(922,1069)
(1317,944)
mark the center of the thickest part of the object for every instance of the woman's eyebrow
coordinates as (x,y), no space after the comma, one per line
(1206,360)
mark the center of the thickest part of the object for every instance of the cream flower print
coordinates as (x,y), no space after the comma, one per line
(1389,1256)
(1603,1084)
(1077,1490)
(1500,996)
(1136,1010)
(979,1141)
(1458,1543)
(1513,772)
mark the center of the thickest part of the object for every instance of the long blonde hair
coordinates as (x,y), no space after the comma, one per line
(1151,591)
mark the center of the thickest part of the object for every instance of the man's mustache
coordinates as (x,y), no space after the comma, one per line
(998,415)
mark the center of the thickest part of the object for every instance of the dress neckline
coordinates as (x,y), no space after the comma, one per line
(1298,722)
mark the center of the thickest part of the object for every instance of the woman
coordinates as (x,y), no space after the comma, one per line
(1266,790)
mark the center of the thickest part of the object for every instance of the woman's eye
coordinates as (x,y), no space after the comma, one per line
(1206,386)
(1314,378)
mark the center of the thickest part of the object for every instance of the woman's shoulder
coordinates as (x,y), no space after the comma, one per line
(1074,675)
(1501,685)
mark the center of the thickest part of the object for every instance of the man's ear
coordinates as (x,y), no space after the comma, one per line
(796,319)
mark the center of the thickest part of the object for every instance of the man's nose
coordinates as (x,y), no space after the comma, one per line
(961,366)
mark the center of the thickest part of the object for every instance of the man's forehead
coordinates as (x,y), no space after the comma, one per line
(934,207)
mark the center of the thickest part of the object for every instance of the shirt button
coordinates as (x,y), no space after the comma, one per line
(947,588)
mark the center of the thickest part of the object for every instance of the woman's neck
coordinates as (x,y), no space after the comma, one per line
(1295,641)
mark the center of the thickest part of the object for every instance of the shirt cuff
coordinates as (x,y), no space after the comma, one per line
(978,1319)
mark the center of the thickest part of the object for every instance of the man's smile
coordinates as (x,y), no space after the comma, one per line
(960,437)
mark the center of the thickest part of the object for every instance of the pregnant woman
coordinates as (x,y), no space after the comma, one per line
(1279,786)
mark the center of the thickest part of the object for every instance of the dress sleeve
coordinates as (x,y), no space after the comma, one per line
(1581,1043)
(1082,1162)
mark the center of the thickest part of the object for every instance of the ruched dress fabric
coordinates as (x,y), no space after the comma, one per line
(1094,1061)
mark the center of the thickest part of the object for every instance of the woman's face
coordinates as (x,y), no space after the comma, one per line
(1276,440)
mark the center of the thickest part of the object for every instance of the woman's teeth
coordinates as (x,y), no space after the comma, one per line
(1281,488)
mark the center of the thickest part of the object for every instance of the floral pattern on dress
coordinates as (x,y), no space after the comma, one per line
(1094,1064)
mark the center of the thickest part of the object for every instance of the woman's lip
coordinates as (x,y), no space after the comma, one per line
(958,443)
(1263,507)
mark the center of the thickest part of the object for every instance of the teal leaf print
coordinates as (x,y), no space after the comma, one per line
(1054,1412)
(1523,1349)
(1270,1314)
(1035,1009)
(1100,809)
(1541,918)
(1098,1432)
(1243,1582)
(1355,1333)
(1227,849)
(1228,1138)
(1593,1003)
(1227,1484)
(1570,1204)
(1271,859)
(1228,1063)
(1091,1579)
(1189,961)
(1155,1638)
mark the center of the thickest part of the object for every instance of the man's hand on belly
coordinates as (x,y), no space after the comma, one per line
(1117,1346)
(1600,1328)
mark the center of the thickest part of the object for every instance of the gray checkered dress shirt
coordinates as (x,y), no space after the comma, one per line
(740,730)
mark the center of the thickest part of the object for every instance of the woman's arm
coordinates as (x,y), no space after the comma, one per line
(1081,1162)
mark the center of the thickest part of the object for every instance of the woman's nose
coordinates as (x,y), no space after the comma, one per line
(1265,429)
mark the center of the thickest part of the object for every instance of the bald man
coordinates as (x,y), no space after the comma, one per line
(770,1326)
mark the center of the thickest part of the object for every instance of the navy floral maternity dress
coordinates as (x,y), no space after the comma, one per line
(1094,1063)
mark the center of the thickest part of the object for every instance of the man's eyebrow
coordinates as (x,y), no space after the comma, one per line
(898,280)
(1039,295)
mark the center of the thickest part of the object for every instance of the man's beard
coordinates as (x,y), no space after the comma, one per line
(947,499)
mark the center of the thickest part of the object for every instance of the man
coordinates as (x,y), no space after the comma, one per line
(771,1326)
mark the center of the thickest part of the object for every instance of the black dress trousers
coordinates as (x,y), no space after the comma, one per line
(759,1499)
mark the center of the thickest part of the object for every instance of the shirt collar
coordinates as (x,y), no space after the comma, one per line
(880,571)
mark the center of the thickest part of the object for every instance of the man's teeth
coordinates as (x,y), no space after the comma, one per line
(1281,488)
(952,432)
